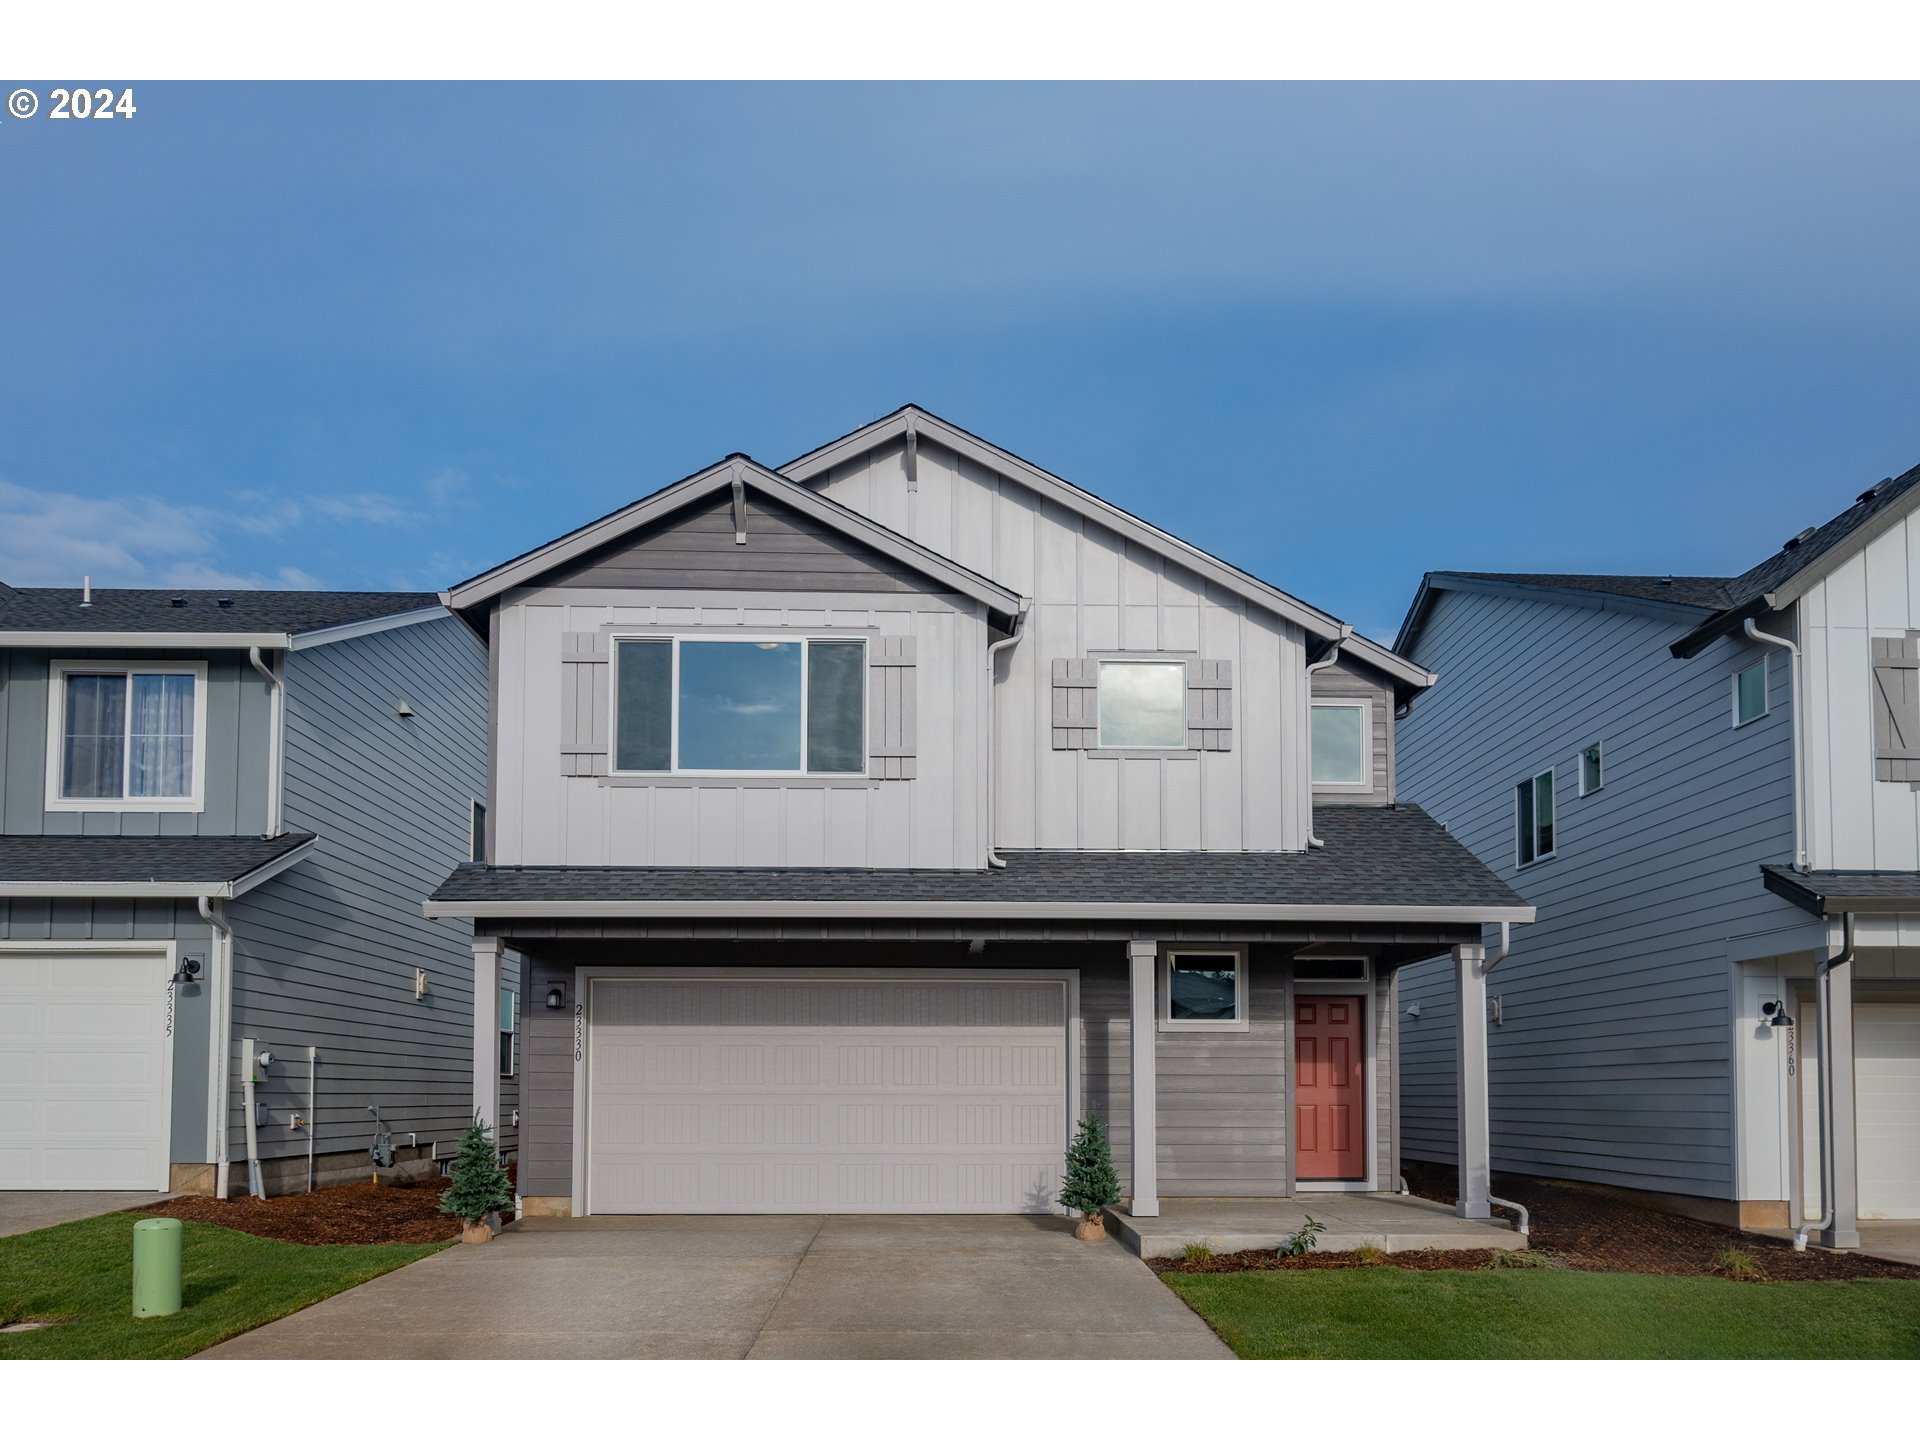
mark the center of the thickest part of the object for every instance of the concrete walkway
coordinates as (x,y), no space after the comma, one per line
(24,1210)
(1387,1222)
(779,1287)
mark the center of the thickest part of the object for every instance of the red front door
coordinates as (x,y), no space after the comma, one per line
(1329,1089)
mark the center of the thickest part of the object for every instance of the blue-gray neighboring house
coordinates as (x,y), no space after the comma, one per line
(219,815)
(1709,787)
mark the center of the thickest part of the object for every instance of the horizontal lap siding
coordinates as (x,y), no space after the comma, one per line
(1222,1108)
(326,952)
(1347,680)
(1613,1063)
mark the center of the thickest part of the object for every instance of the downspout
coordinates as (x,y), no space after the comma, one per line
(1755,633)
(218,1027)
(1314,842)
(994,861)
(276,739)
(1823,986)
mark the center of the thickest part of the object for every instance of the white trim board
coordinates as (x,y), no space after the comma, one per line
(163,889)
(59,671)
(961,910)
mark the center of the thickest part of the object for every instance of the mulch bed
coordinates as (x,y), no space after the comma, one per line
(1579,1229)
(364,1214)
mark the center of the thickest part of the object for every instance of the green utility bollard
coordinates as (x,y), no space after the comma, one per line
(156,1268)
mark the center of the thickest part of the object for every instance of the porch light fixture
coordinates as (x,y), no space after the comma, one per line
(1776,1014)
(188,972)
(1413,1011)
(556,997)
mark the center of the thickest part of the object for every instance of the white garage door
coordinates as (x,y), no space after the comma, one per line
(84,1059)
(756,1096)
(1886,1057)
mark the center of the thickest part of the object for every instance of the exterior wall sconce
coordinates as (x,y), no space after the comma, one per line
(403,709)
(419,984)
(1413,1011)
(1776,1014)
(188,972)
(556,997)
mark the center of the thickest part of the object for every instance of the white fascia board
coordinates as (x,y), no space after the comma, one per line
(1071,496)
(159,889)
(1389,661)
(145,639)
(965,910)
(334,634)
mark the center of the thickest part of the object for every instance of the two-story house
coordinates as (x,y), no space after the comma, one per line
(219,815)
(1711,789)
(865,821)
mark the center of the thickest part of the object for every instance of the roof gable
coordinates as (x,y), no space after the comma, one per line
(914,424)
(722,490)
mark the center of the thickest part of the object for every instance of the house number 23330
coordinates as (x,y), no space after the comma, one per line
(579,1031)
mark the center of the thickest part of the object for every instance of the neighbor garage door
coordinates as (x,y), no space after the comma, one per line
(83,1071)
(762,1095)
(1886,1060)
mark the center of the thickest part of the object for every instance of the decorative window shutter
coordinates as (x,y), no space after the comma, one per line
(1209,704)
(1076,704)
(890,707)
(1896,709)
(585,674)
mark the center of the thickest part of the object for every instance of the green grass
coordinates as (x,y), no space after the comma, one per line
(1389,1314)
(230,1282)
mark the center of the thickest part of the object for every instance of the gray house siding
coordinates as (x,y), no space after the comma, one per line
(1612,1061)
(325,954)
(236,750)
(1348,680)
(107,920)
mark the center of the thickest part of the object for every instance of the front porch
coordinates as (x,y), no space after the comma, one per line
(1386,1222)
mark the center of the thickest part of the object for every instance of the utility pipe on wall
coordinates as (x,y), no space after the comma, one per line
(1314,842)
(1823,1016)
(221,954)
(247,1062)
(276,740)
(1755,633)
(993,783)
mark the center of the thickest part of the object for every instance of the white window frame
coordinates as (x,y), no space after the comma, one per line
(1365,785)
(1553,788)
(676,639)
(1580,770)
(1766,699)
(58,672)
(1100,663)
(1238,954)
(512,1068)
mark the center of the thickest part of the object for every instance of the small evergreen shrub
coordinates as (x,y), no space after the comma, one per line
(479,1184)
(1091,1183)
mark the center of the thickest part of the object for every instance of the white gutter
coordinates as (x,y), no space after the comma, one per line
(1823,1015)
(148,639)
(353,630)
(1754,632)
(217,1040)
(993,782)
(1314,842)
(978,910)
(276,740)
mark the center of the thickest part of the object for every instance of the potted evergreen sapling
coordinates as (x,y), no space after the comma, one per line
(479,1186)
(1091,1182)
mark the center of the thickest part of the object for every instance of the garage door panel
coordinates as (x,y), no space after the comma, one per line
(915,1097)
(1886,1052)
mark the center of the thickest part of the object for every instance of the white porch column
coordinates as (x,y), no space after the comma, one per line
(486,1031)
(1843,1224)
(1142,968)
(1472,1136)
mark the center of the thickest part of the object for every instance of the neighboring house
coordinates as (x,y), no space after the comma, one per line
(219,815)
(865,821)
(1708,787)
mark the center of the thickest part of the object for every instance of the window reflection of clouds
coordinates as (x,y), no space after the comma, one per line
(1143,704)
(739,705)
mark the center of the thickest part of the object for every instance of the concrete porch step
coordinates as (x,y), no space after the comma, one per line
(1387,1222)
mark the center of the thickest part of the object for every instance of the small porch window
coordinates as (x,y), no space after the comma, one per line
(1204,990)
(1533,803)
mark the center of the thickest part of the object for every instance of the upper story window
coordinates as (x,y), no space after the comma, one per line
(1592,770)
(477,833)
(1533,809)
(1750,693)
(126,737)
(771,706)
(1143,705)
(1343,744)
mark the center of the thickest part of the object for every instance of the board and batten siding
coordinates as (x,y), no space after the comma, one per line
(1347,679)
(935,819)
(237,746)
(325,953)
(1855,821)
(1094,592)
(106,921)
(1614,1059)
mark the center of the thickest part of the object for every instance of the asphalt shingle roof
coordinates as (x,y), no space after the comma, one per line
(1781,566)
(246,611)
(1706,592)
(142,859)
(1373,856)
(1828,892)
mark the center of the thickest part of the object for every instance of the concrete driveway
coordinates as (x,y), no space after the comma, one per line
(24,1210)
(778,1287)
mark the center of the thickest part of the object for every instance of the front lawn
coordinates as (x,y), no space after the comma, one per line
(1388,1314)
(231,1282)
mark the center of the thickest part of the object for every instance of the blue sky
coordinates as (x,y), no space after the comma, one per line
(384,337)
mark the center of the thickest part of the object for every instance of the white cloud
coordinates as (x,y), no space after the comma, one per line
(48,537)
(443,485)
(366,508)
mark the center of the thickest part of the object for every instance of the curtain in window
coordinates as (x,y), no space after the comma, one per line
(92,755)
(160,737)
